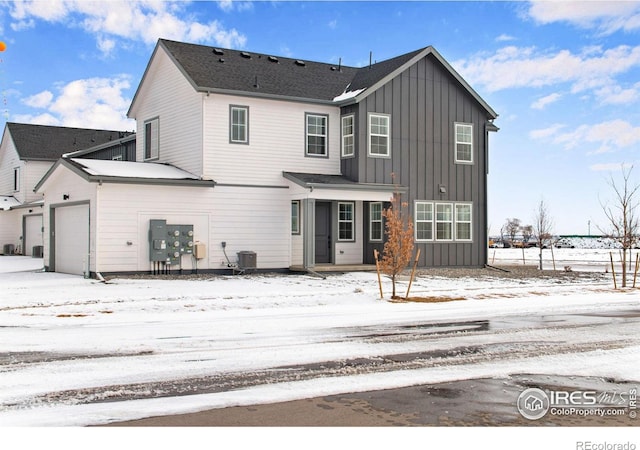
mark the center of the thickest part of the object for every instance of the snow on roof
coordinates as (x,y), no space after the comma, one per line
(7,201)
(347,95)
(130,169)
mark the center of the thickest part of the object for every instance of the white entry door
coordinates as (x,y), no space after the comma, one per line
(72,239)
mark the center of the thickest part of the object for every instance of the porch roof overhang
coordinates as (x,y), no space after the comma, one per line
(338,187)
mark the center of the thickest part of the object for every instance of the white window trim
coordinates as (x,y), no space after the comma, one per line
(371,221)
(416,220)
(434,222)
(343,151)
(246,124)
(352,222)
(152,154)
(297,203)
(456,221)
(326,135)
(455,139)
(370,135)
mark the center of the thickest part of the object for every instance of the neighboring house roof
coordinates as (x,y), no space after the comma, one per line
(116,142)
(210,69)
(107,171)
(48,143)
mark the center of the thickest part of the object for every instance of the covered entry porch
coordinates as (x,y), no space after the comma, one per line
(331,221)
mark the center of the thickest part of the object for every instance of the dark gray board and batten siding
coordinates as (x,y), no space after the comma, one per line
(425,101)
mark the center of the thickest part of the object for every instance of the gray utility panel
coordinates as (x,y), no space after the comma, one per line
(167,243)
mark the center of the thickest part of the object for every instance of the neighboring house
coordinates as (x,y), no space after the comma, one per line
(289,160)
(27,152)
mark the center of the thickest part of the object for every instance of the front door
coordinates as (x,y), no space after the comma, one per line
(323,232)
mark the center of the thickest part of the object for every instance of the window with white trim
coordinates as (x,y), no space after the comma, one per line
(348,145)
(375,222)
(424,221)
(16,179)
(239,124)
(464,142)
(316,133)
(463,221)
(295,217)
(151,139)
(379,135)
(436,221)
(346,211)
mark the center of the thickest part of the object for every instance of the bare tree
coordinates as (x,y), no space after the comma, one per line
(511,228)
(398,246)
(527,232)
(542,227)
(622,218)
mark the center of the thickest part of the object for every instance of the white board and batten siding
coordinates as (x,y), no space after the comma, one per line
(167,95)
(276,141)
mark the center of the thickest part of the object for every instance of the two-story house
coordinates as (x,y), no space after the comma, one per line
(291,160)
(27,152)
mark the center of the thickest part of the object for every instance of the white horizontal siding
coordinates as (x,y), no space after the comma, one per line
(33,172)
(168,95)
(9,160)
(276,141)
(10,228)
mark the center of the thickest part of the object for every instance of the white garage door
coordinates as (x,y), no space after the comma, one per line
(32,233)
(72,239)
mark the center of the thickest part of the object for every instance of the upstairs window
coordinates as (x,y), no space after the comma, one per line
(16,179)
(239,124)
(464,143)
(379,136)
(348,148)
(151,139)
(316,132)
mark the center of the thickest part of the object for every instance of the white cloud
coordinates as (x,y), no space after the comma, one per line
(231,5)
(333,24)
(142,20)
(542,102)
(87,103)
(544,133)
(517,67)
(504,38)
(41,100)
(605,16)
(610,167)
(610,135)
(616,95)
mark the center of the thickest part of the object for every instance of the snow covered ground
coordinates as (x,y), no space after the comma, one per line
(64,333)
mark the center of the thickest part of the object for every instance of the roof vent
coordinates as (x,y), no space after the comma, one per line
(273,59)
(300,63)
(333,68)
(245,55)
(217,51)
(221,60)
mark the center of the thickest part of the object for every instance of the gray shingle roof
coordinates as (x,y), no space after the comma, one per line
(44,142)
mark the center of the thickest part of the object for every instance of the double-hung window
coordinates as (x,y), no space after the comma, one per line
(443,221)
(348,146)
(151,139)
(239,124)
(375,222)
(463,221)
(464,143)
(424,221)
(379,135)
(316,133)
(346,221)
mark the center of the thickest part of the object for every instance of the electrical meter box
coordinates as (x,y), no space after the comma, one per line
(167,243)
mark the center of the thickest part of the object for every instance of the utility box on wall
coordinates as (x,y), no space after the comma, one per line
(167,243)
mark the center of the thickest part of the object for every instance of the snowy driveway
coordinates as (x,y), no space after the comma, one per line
(79,352)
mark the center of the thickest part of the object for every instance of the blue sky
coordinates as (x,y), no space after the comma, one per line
(563,76)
